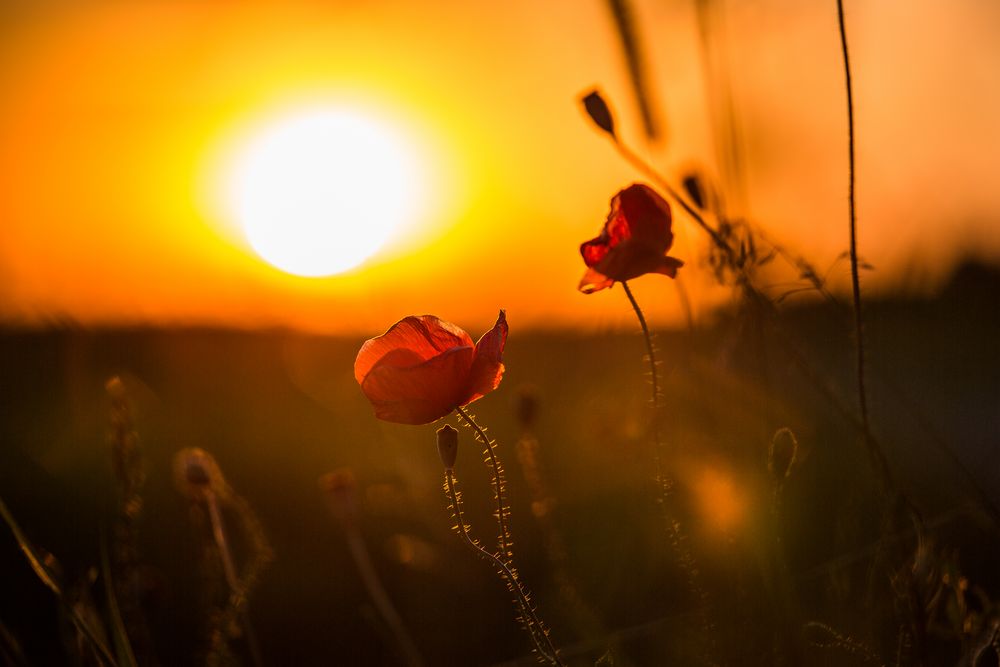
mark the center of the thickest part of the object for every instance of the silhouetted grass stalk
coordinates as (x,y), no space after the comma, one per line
(340,490)
(129,469)
(48,578)
(875,453)
(238,590)
(199,477)
(359,552)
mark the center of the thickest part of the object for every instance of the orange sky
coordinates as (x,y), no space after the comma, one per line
(116,120)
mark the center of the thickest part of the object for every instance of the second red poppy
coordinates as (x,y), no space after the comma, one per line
(634,241)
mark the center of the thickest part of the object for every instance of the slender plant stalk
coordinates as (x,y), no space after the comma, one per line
(498,483)
(877,457)
(539,635)
(236,587)
(379,596)
(119,635)
(48,578)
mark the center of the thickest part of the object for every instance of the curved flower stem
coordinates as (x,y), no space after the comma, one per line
(539,635)
(498,482)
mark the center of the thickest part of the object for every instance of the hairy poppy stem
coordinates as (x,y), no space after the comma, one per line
(498,482)
(533,624)
(665,484)
(651,353)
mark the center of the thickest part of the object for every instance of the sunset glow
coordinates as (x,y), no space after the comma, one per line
(318,193)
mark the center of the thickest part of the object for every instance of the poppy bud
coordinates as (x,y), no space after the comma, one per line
(527,407)
(782,455)
(598,110)
(695,189)
(115,388)
(339,487)
(447,438)
(197,474)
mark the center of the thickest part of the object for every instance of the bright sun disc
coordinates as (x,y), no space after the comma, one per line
(317,194)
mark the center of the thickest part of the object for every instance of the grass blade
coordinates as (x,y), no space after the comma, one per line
(119,636)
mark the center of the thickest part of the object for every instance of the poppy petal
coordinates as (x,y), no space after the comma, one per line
(668,266)
(487,365)
(648,216)
(632,259)
(594,281)
(425,337)
(419,394)
(594,250)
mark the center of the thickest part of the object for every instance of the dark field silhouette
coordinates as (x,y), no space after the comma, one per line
(790,560)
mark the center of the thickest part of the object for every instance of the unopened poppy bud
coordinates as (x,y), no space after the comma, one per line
(115,388)
(447,445)
(340,489)
(695,189)
(782,455)
(196,473)
(527,406)
(598,110)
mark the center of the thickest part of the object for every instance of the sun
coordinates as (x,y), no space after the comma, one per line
(318,193)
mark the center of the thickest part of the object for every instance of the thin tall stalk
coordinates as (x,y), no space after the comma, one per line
(876,455)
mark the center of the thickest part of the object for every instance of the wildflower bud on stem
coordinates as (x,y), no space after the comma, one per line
(197,475)
(340,490)
(447,441)
(782,455)
(598,110)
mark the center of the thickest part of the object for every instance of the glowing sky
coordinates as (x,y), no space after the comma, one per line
(117,119)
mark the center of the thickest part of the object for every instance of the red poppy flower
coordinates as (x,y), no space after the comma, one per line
(422,368)
(634,241)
